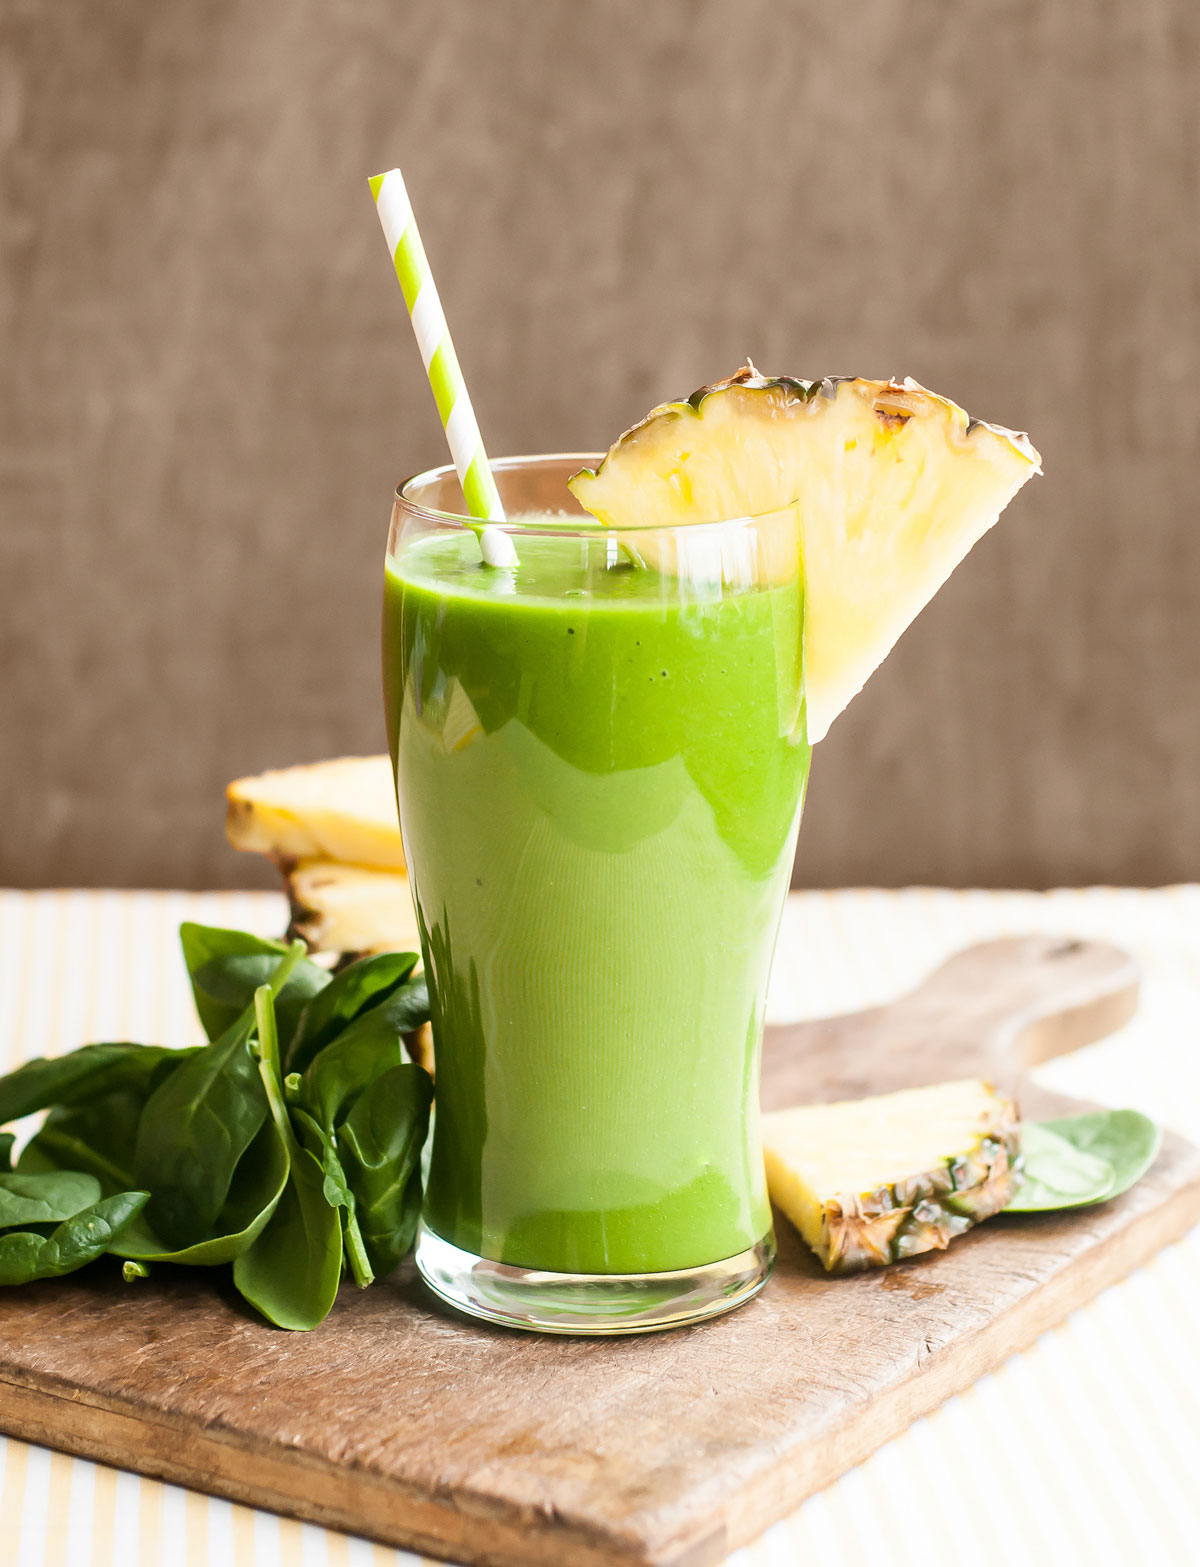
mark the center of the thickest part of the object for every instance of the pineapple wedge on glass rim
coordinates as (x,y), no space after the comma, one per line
(872,1181)
(887,485)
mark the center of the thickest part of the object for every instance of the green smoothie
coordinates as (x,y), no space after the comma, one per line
(600,772)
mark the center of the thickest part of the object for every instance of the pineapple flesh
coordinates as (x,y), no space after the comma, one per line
(889,486)
(331,828)
(342,810)
(872,1181)
(350,908)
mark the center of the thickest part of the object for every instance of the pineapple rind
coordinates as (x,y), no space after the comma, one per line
(924,1213)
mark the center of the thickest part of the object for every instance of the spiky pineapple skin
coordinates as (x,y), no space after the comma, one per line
(924,1213)
(892,399)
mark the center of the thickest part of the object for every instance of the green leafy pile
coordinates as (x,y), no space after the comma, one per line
(289,1145)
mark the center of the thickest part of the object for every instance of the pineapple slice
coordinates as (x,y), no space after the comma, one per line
(891,485)
(870,1181)
(350,908)
(342,810)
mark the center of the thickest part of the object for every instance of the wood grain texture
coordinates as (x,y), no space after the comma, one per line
(207,389)
(397,1420)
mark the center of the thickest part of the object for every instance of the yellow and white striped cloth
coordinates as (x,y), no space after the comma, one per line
(1082,1449)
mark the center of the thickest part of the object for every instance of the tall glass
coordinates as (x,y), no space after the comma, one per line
(600,764)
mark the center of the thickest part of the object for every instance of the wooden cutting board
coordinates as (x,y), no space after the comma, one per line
(398,1421)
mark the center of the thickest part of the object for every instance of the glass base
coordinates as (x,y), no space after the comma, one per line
(590,1303)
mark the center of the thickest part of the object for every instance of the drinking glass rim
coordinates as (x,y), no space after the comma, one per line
(570,529)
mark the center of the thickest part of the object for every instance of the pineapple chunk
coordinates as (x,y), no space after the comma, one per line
(342,810)
(890,484)
(350,908)
(870,1181)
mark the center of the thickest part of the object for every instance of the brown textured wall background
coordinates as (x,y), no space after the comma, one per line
(208,390)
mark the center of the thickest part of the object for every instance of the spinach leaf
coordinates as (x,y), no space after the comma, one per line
(1128,1140)
(1081,1159)
(292,1271)
(323,1147)
(99,1133)
(369,1047)
(364,984)
(134,1270)
(46,1198)
(7,1139)
(25,1255)
(197,1125)
(192,1133)
(98,1138)
(1056,1174)
(82,1075)
(254,1194)
(226,967)
(380,1142)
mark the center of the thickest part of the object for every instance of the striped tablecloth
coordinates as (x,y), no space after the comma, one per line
(1086,1448)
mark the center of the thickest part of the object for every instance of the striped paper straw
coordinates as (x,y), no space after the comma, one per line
(441,363)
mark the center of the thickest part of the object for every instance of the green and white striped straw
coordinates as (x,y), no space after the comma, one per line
(441,364)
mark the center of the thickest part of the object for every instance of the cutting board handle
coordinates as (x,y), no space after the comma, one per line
(1034,997)
(992,1010)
